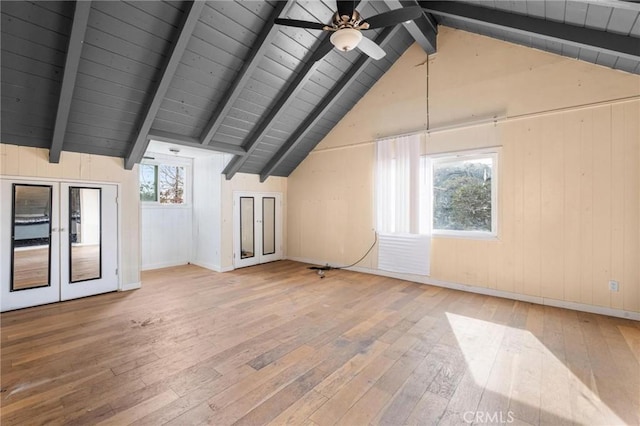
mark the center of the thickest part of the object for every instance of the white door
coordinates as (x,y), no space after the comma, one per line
(30,244)
(257,228)
(89,242)
(58,241)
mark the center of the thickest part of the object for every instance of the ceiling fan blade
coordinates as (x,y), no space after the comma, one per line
(369,47)
(345,7)
(324,48)
(394,17)
(299,24)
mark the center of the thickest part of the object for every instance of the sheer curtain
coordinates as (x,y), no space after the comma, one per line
(398,214)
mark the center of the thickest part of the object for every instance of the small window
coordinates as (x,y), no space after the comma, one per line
(162,183)
(464,194)
(148,182)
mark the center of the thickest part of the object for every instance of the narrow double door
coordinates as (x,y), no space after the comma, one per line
(257,228)
(59,241)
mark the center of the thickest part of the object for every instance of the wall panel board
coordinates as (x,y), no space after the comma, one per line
(569,188)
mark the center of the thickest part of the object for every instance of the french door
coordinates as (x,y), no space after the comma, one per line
(59,241)
(257,228)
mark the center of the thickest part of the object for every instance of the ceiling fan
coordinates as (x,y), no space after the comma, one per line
(347,25)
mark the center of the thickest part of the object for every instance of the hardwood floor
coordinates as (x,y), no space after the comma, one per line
(274,344)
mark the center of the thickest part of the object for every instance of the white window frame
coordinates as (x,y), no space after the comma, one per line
(160,160)
(454,157)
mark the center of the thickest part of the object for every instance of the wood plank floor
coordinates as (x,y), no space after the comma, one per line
(274,344)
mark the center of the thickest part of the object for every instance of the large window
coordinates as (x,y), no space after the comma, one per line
(464,194)
(161,183)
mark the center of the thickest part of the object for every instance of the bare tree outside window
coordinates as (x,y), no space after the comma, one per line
(171,184)
(162,183)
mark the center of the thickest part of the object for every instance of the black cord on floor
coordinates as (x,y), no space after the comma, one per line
(375,240)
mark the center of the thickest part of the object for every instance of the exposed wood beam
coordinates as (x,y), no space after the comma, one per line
(260,46)
(423,30)
(72,61)
(176,139)
(301,77)
(174,56)
(601,41)
(327,102)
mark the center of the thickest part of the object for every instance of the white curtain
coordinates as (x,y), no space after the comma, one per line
(398,206)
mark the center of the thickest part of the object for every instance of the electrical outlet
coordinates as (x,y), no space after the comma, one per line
(614,285)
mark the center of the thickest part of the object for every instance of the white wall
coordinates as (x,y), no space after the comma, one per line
(166,230)
(207,210)
(34,163)
(205,237)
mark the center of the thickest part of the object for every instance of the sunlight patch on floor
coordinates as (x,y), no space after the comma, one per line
(513,364)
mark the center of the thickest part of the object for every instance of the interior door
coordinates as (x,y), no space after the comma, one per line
(58,241)
(30,244)
(257,228)
(89,242)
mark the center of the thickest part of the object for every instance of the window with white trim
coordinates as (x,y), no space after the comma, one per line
(463,193)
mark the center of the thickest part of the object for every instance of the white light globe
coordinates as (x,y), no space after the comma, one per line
(346,39)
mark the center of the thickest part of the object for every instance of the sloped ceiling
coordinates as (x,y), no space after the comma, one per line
(105,77)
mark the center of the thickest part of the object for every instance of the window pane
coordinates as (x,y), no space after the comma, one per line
(171,184)
(148,182)
(462,195)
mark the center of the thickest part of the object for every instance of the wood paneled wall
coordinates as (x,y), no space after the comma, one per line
(166,231)
(569,200)
(569,209)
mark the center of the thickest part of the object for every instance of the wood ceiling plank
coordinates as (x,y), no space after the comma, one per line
(173,59)
(250,64)
(327,102)
(616,44)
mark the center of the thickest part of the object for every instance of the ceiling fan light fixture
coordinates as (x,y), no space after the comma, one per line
(346,39)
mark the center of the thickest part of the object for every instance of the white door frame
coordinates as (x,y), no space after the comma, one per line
(6,182)
(238,261)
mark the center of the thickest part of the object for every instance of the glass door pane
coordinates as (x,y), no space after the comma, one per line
(247,225)
(85,234)
(268,225)
(31,236)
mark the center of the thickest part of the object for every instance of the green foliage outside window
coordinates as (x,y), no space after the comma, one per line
(462,195)
(148,182)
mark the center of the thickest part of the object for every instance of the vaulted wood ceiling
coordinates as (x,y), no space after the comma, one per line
(105,77)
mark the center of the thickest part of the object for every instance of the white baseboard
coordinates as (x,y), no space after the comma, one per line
(212,267)
(130,286)
(602,310)
(163,265)
(206,265)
